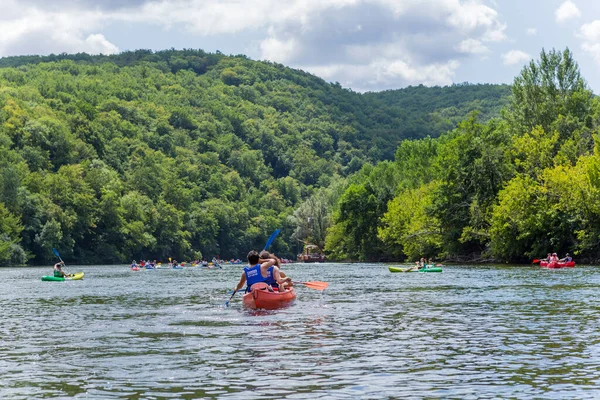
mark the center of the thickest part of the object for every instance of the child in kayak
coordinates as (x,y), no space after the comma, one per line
(284,282)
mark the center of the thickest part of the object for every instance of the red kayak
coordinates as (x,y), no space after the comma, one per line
(557,264)
(261,297)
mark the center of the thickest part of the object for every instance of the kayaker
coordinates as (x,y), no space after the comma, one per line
(554,257)
(566,259)
(418,265)
(284,281)
(255,272)
(58,272)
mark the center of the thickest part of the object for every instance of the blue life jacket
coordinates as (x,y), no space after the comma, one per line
(271,278)
(253,276)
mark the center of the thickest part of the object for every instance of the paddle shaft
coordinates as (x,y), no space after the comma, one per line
(61,260)
(271,239)
(232,294)
(58,255)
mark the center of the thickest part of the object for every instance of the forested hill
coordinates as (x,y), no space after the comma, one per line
(381,117)
(181,154)
(431,111)
(509,189)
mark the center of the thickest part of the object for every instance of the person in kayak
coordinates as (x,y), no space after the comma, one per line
(567,258)
(255,272)
(58,272)
(554,257)
(284,281)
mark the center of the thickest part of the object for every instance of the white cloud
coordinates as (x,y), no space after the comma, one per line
(472,15)
(567,10)
(382,73)
(280,50)
(472,46)
(435,74)
(341,38)
(531,31)
(97,44)
(31,30)
(590,33)
(515,57)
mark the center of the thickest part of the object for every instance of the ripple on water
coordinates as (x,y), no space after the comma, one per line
(469,332)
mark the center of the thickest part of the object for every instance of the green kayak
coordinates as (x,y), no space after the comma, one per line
(431,269)
(413,269)
(75,277)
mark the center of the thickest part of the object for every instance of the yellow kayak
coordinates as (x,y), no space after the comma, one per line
(398,269)
(73,277)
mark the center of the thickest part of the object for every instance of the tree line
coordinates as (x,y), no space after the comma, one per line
(511,188)
(188,154)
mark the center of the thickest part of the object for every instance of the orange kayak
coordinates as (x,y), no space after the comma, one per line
(557,264)
(261,297)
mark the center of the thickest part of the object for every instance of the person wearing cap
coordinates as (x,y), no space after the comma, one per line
(58,272)
(554,257)
(566,259)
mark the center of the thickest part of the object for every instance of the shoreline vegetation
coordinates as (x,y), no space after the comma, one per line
(191,155)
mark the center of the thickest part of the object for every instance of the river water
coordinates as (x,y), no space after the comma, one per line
(471,332)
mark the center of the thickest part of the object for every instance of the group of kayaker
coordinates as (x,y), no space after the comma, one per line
(264,267)
(553,257)
(422,263)
(143,264)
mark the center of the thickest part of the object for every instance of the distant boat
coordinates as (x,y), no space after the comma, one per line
(311,253)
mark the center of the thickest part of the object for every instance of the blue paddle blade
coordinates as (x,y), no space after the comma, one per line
(272,238)
(55,252)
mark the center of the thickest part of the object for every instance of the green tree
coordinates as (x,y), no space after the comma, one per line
(10,230)
(547,88)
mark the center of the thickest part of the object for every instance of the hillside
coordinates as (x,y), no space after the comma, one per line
(508,189)
(422,111)
(182,153)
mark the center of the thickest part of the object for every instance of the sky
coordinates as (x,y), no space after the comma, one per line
(365,45)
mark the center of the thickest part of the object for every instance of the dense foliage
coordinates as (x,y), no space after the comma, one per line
(512,188)
(184,153)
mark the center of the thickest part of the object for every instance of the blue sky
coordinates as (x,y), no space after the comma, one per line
(366,45)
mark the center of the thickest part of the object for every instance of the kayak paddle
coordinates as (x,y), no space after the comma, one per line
(267,245)
(57,255)
(271,238)
(313,285)
(536,261)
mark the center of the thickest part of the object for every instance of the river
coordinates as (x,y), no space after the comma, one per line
(470,332)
